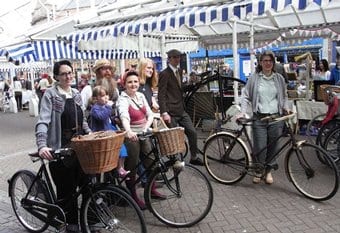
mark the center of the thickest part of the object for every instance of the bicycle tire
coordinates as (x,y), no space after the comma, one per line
(312,178)
(332,145)
(189,197)
(109,209)
(312,124)
(226,158)
(18,188)
(325,130)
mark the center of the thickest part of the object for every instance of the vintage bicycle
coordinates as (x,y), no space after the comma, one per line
(228,157)
(210,104)
(188,192)
(104,207)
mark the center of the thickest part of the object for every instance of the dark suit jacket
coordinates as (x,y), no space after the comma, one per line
(170,95)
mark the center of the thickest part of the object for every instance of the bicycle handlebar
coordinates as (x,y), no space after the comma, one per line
(57,154)
(280,118)
(244,121)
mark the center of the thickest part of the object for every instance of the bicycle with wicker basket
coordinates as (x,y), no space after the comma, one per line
(104,207)
(188,194)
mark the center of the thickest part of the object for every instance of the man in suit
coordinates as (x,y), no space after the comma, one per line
(171,104)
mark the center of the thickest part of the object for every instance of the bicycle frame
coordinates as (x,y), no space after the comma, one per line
(156,161)
(254,156)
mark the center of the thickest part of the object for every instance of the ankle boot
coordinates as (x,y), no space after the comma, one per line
(130,184)
(155,194)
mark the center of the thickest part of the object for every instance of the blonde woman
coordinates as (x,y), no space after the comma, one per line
(148,81)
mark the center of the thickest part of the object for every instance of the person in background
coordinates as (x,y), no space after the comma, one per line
(170,98)
(84,81)
(43,83)
(100,115)
(323,70)
(105,73)
(148,81)
(136,116)
(279,68)
(18,92)
(266,94)
(133,64)
(335,72)
(62,117)
(227,71)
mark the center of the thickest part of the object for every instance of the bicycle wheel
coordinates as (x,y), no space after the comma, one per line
(109,209)
(332,145)
(226,158)
(18,189)
(311,177)
(189,197)
(325,130)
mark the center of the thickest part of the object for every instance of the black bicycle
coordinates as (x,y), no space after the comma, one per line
(210,104)
(188,192)
(104,207)
(228,157)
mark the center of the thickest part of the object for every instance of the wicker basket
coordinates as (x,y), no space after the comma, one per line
(327,95)
(171,141)
(98,152)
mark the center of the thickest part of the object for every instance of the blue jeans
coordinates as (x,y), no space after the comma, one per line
(264,134)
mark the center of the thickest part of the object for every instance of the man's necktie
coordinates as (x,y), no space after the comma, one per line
(178,77)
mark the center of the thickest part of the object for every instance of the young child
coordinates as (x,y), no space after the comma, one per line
(100,114)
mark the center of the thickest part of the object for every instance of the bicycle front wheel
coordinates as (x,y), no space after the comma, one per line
(225,158)
(311,177)
(189,196)
(18,189)
(109,209)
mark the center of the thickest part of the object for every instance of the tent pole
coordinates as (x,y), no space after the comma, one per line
(164,57)
(236,62)
(252,49)
(141,45)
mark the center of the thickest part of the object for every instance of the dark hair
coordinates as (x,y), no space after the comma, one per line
(128,74)
(57,65)
(325,64)
(264,54)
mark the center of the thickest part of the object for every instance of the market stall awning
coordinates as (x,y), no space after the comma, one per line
(273,21)
(19,53)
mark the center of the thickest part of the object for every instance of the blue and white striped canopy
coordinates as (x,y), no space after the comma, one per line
(189,17)
(22,53)
(204,21)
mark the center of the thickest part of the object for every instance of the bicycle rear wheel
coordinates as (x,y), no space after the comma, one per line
(189,197)
(311,177)
(18,189)
(109,209)
(332,145)
(225,158)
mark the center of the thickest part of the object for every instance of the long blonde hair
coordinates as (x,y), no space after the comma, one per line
(142,76)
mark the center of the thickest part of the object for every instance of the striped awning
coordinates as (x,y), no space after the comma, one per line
(20,53)
(212,23)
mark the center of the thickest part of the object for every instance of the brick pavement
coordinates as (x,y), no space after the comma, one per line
(240,208)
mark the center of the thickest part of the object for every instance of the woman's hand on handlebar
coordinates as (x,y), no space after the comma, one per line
(132,135)
(45,153)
